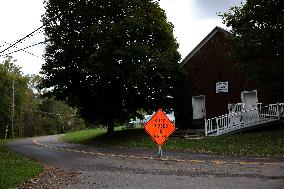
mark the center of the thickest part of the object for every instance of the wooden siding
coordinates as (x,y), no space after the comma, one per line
(203,70)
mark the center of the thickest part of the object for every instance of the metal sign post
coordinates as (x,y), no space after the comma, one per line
(160,152)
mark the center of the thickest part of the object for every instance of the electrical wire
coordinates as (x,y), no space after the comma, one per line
(30,34)
(33,33)
(23,48)
(38,32)
(6,43)
(42,112)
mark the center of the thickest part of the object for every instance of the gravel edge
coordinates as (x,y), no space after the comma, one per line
(51,178)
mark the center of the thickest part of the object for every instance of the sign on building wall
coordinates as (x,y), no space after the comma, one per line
(222,87)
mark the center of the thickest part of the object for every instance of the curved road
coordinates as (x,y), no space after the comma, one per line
(140,168)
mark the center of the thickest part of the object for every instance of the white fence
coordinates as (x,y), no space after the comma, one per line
(142,122)
(238,120)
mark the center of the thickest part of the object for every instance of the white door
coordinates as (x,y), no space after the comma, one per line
(250,100)
(198,107)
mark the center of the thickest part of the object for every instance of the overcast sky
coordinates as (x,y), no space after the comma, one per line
(192,19)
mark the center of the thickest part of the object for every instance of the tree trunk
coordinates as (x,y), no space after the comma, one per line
(110,128)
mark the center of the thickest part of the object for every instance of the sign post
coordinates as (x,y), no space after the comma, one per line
(160,152)
(159,127)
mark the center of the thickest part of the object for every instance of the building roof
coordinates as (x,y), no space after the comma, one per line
(202,43)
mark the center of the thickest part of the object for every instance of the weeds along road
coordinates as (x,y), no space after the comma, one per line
(139,168)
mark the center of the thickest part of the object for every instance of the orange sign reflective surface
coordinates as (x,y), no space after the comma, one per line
(159,127)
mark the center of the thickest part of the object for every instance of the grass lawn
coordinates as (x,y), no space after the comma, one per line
(14,169)
(258,143)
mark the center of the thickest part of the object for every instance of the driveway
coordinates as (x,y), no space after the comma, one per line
(100,167)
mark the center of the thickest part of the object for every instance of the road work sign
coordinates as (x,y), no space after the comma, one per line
(159,127)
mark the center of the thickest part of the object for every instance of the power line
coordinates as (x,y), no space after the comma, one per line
(5,44)
(30,34)
(38,32)
(23,48)
(38,111)
(48,113)
(20,49)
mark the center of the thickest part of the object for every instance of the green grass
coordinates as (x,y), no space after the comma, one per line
(85,136)
(264,143)
(14,169)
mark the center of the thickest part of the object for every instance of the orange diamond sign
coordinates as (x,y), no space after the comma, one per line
(159,127)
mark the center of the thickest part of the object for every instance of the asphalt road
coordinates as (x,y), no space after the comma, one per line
(140,168)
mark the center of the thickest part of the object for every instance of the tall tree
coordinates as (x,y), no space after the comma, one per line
(258,41)
(110,57)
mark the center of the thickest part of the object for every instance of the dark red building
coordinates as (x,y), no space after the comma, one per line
(211,82)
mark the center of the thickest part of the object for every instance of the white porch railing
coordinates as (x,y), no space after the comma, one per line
(238,120)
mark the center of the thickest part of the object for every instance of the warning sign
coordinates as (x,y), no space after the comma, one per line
(159,127)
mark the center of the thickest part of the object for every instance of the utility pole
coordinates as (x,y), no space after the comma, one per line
(20,122)
(13,107)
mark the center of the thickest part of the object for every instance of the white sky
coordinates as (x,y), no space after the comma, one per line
(192,19)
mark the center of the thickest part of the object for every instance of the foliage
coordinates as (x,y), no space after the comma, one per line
(34,115)
(63,115)
(257,143)
(258,40)
(10,73)
(110,58)
(14,169)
